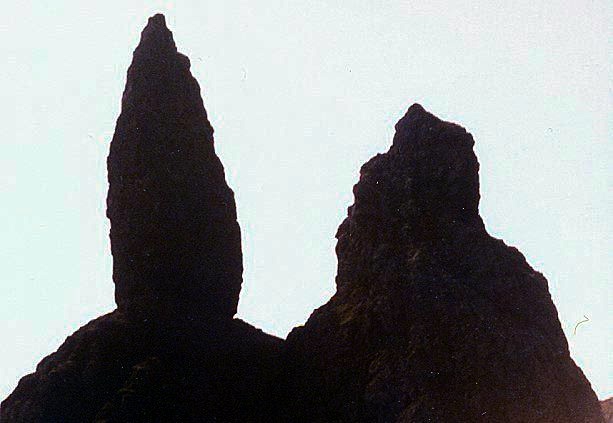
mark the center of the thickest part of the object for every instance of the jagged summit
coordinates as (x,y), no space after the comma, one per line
(174,236)
(433,319)
(158,20)
(440,162)
(157,34)
(426,187)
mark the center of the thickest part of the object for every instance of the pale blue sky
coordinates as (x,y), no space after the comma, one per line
(301,93)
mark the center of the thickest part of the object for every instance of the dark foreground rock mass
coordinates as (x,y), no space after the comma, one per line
(116,370)
(433,319)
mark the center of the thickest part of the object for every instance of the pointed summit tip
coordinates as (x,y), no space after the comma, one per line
(157,19)
(419,123)
(156,35)
(416,108)
(413,114)
(156,22)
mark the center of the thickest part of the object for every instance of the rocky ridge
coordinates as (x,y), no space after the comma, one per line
(433,320)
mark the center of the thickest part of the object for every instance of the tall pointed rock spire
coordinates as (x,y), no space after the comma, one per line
(174,235)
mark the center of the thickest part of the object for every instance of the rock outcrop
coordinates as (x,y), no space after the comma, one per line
(172,350)
(433,320)
(607,410)
(174,236)
(115,370)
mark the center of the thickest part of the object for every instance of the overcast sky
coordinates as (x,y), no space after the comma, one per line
(300,94)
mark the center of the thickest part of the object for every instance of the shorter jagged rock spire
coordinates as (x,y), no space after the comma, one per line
(433,319)
(424,192)
(174,235)
(426,185)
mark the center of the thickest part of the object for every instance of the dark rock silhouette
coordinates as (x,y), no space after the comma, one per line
(433,319)
(175,240)
(172,350)
(116,370)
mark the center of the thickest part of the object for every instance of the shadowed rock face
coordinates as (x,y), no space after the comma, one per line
(174,237)
(433,319)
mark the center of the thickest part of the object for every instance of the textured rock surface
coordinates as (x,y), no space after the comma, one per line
(607,410)
(433,319)
(174,237)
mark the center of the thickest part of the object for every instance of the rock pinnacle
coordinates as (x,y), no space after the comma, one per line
(174,235)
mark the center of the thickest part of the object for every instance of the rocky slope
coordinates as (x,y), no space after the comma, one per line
(433,319)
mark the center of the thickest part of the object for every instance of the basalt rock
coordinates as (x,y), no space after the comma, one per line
(116,370)
(172,350)
(174,236)
(607,410)
(433,319)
